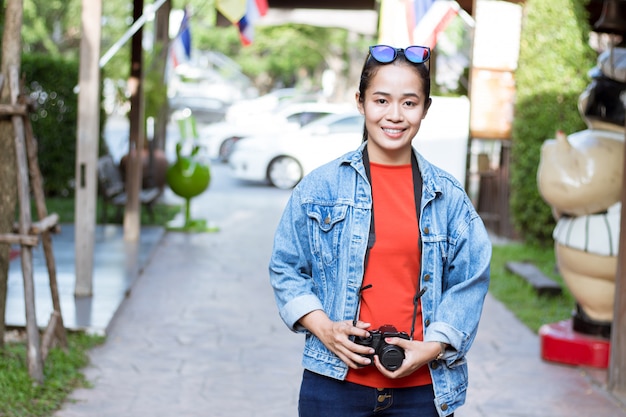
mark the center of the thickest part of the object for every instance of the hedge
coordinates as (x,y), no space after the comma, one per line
(555,58)
(51,82)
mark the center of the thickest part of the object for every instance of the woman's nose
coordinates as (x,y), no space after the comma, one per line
(394,113)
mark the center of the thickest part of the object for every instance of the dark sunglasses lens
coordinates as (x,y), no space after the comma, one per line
(417,54)
(383,53)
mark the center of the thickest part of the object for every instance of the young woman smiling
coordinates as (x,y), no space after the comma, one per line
(382,261)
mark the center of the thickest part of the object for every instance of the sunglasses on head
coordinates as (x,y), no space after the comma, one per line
(386,54)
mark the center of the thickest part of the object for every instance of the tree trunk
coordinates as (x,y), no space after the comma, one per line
(11,55)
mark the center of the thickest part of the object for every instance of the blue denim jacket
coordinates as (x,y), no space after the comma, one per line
(319,250)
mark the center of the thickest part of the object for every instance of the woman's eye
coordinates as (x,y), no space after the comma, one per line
(381,101)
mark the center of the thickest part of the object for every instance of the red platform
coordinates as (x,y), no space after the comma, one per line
(560,343)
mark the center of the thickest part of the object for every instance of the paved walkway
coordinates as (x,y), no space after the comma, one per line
(199,335)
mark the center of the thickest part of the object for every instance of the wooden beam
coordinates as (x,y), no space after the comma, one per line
(13,110)
(47,341)
(17,239)
(44,224)
(87,146)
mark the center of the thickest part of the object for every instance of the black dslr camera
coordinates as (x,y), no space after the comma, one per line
(391,356)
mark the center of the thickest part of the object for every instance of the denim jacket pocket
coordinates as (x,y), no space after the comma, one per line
(326,226)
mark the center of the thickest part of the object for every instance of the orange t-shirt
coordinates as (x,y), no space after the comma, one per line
(392,270)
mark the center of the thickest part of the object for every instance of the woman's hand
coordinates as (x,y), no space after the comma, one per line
(337,337)
(416,354)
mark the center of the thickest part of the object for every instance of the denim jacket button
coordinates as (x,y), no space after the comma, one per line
(426,231)
(327,220)
(427,322)
(444,407)
(427,277)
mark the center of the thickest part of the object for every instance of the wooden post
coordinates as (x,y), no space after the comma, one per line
(35,363)
(87,146)
(43,226)
(162,37)
(617,360)
(132,214)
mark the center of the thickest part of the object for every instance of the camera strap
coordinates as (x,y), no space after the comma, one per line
(417,195)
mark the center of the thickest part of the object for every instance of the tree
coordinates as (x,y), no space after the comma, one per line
(11,56)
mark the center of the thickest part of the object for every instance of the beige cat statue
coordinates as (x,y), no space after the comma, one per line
(580,177)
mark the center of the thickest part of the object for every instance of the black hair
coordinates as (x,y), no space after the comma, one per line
(371,67)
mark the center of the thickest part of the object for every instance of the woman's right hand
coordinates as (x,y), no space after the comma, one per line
(337,337)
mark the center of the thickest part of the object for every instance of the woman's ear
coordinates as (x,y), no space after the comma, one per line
(427,106)
(359,103)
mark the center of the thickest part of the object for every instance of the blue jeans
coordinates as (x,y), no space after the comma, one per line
(328,397)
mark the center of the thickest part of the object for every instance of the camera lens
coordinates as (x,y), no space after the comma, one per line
(391,357)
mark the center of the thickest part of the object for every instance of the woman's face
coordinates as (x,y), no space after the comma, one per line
(394,106)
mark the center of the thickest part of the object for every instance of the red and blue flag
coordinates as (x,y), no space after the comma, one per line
(180,51)
(255,9)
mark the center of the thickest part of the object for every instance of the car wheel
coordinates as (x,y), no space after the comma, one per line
(227,148)
(284,172)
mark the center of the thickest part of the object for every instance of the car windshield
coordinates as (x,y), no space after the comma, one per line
(306,117)
(338,123)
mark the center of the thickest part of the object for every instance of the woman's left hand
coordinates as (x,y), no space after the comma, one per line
(416,354)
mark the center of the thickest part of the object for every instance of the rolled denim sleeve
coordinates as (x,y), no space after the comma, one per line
(290,268)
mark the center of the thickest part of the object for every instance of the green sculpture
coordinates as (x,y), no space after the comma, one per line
(189,177)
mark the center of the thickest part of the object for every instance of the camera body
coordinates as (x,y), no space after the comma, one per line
(391,356)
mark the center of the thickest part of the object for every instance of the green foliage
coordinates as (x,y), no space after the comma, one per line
(155,90)
(51,27)
(221,39)
(50,83)
(281,55)
(117,17)
(518,295)
(554,60)
(19,397)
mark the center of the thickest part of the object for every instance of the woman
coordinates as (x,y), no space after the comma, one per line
(382,261)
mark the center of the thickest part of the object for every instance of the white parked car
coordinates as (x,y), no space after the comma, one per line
(218,138)
(283,159)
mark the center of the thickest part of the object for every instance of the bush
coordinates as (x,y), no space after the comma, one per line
(51,82)
(555,58)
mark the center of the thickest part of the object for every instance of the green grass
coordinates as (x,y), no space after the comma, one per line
(519,296)
(19,397)
(64,207)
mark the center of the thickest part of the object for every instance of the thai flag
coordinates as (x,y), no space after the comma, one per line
(433,20)
(414,22)
(416,10)
(180,49)
(255,9)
